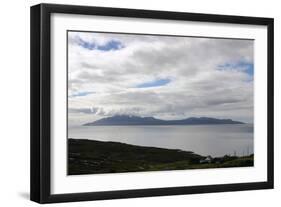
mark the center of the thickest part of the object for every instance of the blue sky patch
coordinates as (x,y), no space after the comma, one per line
(85,93)
(154,83)
(111,45)
(85,44)
(242,66)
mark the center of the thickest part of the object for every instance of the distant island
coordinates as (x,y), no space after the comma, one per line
(125,120)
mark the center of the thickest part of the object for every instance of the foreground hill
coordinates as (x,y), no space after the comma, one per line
(135,120)
(93,157)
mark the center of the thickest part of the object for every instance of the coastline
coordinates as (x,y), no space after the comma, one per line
(96,157)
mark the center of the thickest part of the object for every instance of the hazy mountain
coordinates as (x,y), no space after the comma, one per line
(120,120)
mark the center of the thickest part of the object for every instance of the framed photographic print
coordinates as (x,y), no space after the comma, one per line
(133,103)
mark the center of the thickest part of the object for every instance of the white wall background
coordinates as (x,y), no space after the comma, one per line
(14,104)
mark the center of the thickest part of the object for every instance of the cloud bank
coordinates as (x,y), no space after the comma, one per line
(166,77)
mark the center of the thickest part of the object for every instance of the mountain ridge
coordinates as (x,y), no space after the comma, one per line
(124,120)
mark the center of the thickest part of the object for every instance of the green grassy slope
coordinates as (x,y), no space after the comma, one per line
(90,157)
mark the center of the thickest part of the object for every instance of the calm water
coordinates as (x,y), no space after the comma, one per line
(214,140)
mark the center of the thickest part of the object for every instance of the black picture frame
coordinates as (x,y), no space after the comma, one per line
(40,184)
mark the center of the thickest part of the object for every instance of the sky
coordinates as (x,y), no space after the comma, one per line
(167,77)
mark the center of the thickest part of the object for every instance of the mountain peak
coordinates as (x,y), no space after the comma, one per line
(122,120)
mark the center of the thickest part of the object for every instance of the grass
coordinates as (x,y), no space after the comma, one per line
(93,157)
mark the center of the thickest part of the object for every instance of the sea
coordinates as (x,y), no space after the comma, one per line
(213,140)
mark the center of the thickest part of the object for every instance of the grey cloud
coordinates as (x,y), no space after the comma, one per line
(197,87)
(83,110)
